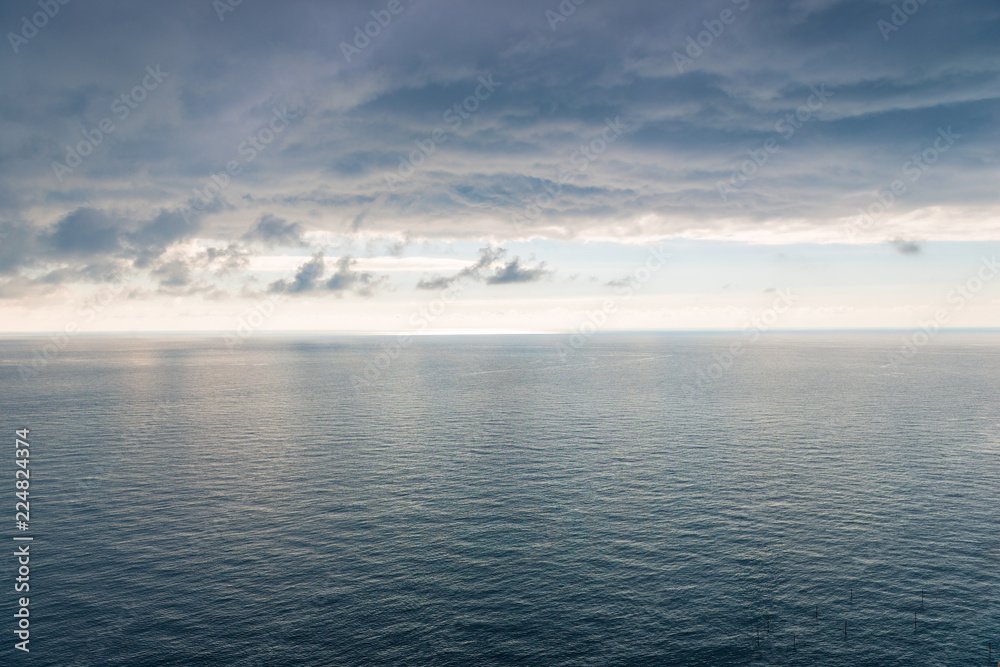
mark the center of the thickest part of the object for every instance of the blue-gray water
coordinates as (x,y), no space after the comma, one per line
(486,502)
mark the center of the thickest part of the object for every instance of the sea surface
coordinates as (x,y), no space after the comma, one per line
(507,500)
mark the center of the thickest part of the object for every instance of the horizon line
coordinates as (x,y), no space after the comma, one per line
(475,332)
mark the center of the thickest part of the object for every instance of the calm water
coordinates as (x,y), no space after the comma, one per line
(484,502)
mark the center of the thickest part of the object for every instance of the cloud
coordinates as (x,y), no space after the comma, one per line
(92,234)
(488,256)
(306,278)
(687,130)
(516,272)
(86,232)
(274,231)
(513,271)
(906,247)
(19,287)
(531,162)
(225,260)
(363,283)
(17,247)
(177,278)
(345,279)
(99,272)
(438,283)
(152,238)
(173,274)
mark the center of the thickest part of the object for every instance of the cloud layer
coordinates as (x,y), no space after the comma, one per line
(132,128)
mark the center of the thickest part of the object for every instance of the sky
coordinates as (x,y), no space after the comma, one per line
(542,166)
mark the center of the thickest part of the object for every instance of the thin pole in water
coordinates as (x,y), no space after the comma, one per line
(852,595)
(817,611)
(793,641)
(914,620)
(845,629)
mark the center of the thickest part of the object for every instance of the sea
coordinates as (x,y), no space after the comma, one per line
(620,499)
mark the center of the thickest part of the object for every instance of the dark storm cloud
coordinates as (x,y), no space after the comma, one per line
(531,159)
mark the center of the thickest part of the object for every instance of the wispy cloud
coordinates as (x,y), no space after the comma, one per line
(490,269)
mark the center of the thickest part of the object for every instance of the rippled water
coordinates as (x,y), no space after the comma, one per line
(486,502)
